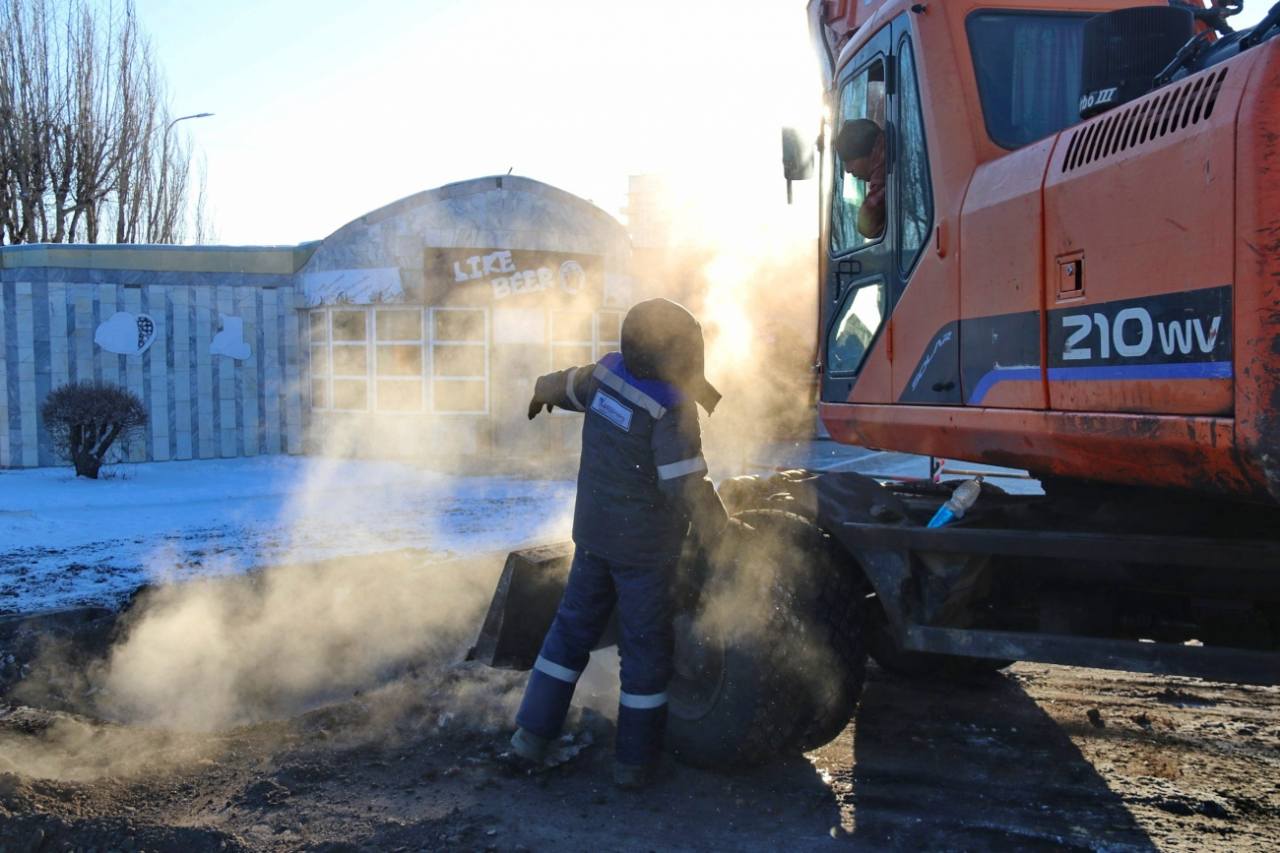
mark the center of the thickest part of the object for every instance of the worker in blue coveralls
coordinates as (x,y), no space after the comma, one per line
(642,481)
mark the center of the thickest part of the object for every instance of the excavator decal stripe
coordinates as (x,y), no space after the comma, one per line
(1181,335)
(1121,372)
(1115,373)
(1003,374)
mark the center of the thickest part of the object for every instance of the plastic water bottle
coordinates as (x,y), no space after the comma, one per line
(961,500)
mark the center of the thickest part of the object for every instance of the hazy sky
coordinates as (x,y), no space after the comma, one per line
(327,109)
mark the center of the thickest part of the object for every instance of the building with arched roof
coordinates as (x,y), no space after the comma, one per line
(415,330)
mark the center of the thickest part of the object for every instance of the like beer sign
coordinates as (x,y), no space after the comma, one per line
(500,274)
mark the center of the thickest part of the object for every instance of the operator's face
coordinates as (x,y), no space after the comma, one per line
(865,168)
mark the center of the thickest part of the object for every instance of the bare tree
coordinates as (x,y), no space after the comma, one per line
(203,230)
(25,104)
(85,148)
(84,420)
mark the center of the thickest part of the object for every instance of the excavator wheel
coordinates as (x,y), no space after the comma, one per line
(769,658)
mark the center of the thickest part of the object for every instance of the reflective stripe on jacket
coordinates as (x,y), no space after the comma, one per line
(642,478)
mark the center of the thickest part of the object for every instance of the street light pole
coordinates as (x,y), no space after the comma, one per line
(164,168)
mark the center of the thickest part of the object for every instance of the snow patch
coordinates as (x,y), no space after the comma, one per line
(352,287)
(66,541)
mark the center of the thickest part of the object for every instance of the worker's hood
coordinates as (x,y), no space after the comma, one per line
(662,340)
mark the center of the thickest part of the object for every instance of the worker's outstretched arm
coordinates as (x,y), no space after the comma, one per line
(564,388)
(682,473)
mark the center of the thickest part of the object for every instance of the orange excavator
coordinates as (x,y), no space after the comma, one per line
(1087,299)
(1077,274)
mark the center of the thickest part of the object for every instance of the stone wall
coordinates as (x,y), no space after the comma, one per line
(216,357)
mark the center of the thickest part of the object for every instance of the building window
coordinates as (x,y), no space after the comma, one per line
(363,358)
(319,359)
(349,358)
(572,339)
(398,359)
(580,337)
(608,332)
(460,360)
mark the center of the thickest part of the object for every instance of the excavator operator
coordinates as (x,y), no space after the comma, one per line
(860,146)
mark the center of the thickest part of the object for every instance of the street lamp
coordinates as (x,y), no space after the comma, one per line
(184,118)
(164,166)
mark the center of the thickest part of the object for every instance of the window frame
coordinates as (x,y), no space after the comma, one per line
(838,174)
(484,342)
(553,343)
(600,343)
(327,346)
(905,269)
(597,344)
(977,78)
(350,377)
(427,341)
(422,343)
(842,309)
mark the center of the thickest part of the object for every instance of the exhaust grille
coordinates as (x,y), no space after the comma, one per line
(1164,112)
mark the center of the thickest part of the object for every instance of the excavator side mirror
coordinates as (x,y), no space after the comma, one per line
(797,157)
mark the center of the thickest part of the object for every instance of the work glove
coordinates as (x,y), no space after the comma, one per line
(545,393)
(535,407)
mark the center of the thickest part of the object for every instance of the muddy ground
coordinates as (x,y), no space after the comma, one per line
(1034,758)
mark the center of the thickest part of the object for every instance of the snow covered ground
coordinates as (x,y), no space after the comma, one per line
(67,541)
(70,541)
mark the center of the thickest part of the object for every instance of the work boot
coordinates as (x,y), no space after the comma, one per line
(633,777)
(529,746)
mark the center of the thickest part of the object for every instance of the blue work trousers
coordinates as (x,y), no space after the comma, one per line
(642,596)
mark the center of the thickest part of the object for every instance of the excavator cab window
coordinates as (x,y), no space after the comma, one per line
(915,192)
(854,221)
(881,203)
(860,319)
(858,213)
(1028,66)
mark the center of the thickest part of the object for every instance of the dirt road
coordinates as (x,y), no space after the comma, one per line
(1047,757)
(1035,758)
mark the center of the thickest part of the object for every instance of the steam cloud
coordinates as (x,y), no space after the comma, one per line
(210,654)
(746,265)
(214,653)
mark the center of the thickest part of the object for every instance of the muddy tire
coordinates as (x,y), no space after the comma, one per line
(905,664)
(770,660)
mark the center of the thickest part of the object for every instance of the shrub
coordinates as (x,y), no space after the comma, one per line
(86,418)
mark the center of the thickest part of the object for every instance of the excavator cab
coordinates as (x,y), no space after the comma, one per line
(1026,73)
